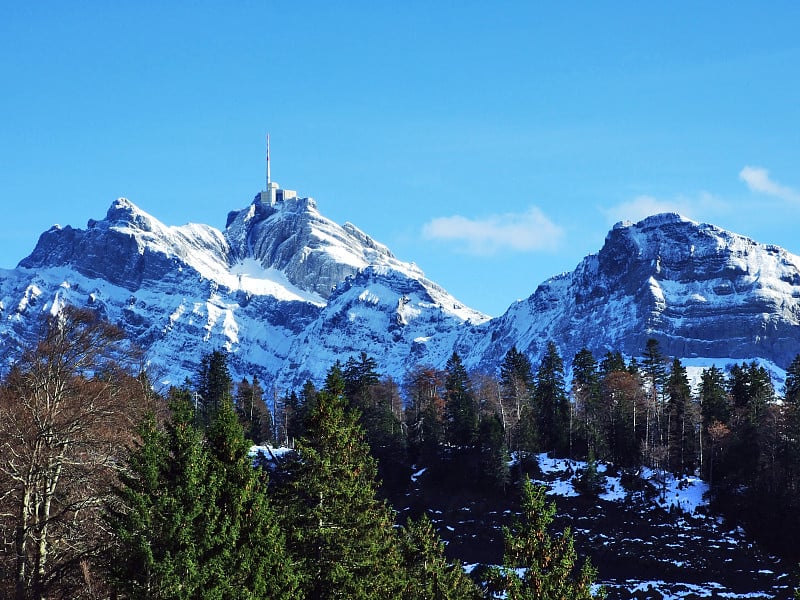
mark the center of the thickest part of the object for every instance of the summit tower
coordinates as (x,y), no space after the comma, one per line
(273,192)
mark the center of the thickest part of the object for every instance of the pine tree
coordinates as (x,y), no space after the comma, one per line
(654,375)
(253,413)
(681,420)
(192,518)
(587,397)
(214,385)
(462,413)
(428,573)
(342,535)
(552,404)
(245,552)
(792,383)
(161,502)
(537,566)
(714,401)
(494,456)
(376,401)
(517,386)
(360,375)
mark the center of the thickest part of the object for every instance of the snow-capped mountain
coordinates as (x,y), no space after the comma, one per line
(287,292)
(703,292)
(261,289)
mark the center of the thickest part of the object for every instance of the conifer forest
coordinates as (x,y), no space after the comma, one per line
(113,488)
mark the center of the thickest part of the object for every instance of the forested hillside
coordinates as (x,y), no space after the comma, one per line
(113,489)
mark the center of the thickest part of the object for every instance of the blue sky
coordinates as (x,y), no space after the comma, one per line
(494,144)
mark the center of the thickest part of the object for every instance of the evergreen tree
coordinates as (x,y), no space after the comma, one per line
(592,482)
(516,402)
(192,520)
(714,402)
(462,413)
(360,376)
(338,530)
(253,413)
(428,573)
(214,385)
(681,421)
(654,375)
(613,362)
(792,383)
(552,404)
(494,456)
(586,393)
(376,402)
(246,554)
(537,566)
(163,497)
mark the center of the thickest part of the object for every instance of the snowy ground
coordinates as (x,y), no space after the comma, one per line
(660,540)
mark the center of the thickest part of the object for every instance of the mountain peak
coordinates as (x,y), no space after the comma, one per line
(657,220)
(123,211)
(288,291)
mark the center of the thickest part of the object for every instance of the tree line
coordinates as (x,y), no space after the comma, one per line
(732,428)
(110,490)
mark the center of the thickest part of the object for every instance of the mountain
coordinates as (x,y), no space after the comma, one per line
(704,293)
(287,292)
(278,273)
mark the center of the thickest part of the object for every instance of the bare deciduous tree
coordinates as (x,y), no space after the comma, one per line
(66,413)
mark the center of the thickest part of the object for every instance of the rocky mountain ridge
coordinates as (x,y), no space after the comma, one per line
(287,292)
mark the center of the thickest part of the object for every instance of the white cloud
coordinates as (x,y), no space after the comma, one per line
(644,206)
(758,180)
(522,232)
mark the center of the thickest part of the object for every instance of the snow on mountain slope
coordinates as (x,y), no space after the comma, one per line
(287,292)
(315,253)
(399,320)
(254,290)
(701,291)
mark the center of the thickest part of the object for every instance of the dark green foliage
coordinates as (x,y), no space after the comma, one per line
(247,551)
(612,362)
(591,482)
(338,531)
(714,401)
(379,404)
(253,413)
(681,421)
(163,501)
(751,388)
(429,575)
(549,564)
(214,385)
(552,404)
(586,393)
(192,518)
(359,374)
(792,384)
(461,409)
(493,453)
(516,388)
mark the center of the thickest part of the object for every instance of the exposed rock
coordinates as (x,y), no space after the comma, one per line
(288,292)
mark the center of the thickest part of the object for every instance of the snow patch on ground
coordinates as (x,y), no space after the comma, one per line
(686,493)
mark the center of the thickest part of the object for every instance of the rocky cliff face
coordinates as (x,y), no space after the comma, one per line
(701,291)
(279,289)
(287,292)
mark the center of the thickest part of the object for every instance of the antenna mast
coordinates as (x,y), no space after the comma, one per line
(268,177)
